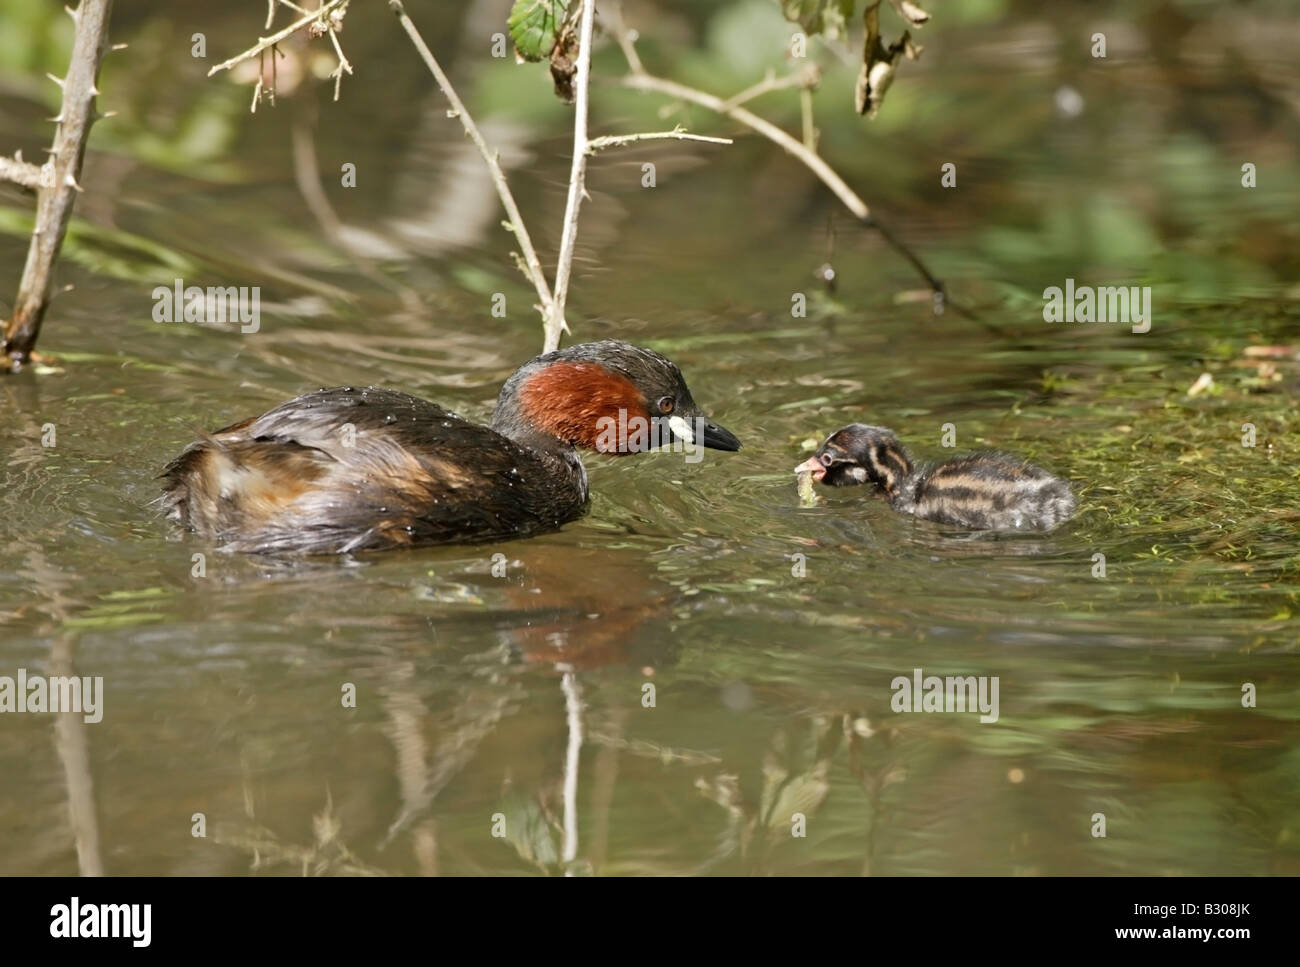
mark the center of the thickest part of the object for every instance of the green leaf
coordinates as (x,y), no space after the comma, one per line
(534,25)
(819,16)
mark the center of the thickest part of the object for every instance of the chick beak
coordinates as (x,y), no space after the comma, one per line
(814,466)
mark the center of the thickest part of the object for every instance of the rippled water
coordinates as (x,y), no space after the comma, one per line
(770,631)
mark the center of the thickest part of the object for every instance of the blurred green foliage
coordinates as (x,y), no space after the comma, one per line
(1140,180)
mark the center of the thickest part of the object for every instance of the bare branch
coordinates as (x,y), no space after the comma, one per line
(344,66)
(676,134)
(626,38)
(639,79)
(21,173)
(264,42)
(814,162)
(337,73)
(555,322)
(806,79)
(806,112)
(59,189)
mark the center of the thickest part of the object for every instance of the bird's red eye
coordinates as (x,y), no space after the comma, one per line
(666,405)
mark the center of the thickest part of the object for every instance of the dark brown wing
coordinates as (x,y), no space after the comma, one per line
(347,469)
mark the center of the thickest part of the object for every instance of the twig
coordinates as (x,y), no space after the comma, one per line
(532,266)
(555,322)
(639,79)
(805,79)
(936,286)
(337,73)
(551,303)
(582,149)
(677,134)
(21,173)
(58,193)
(819,167)
(806,112)
(264,42)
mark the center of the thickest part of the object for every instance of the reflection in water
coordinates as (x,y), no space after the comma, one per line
(476,717)
(73,746)
(573,706)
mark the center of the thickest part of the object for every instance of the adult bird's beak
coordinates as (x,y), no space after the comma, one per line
(702,431)
(717,438)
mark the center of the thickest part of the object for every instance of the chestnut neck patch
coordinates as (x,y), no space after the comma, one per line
(570,399)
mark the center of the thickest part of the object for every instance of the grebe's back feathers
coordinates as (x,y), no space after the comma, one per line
(346,469)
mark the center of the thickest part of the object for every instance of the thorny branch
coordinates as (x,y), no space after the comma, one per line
(57,179)
(21,173)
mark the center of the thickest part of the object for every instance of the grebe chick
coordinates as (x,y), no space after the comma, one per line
(343,470)
(982,491)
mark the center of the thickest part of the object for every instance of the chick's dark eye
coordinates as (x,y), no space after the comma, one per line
(667,404)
